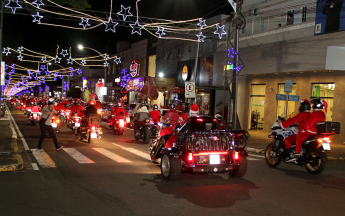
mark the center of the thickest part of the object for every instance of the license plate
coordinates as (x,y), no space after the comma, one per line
(214,159)
(326,146)
(54,125)
(77,124)
(35,115)
(93,135)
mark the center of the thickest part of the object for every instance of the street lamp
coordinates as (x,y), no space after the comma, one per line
(161,74)
(81,47)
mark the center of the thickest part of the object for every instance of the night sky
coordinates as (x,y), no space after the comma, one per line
(19,30)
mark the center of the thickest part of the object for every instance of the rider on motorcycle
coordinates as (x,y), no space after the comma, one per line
(142,114)
(35,108)
(119,112)
(172,109)
(302,119)
(317,115)
(155,114)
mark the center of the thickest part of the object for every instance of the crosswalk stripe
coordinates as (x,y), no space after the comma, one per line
(253,159)
(112,155)
(134,151)
(43,158)
(76,155)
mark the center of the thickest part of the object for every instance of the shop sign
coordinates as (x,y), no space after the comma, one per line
(294,98)
(185,73)
(134,69)
(189,89)
(281,97)
(117,80)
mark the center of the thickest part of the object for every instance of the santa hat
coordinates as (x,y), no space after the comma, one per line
(325,104)
(305,100)
(194,109)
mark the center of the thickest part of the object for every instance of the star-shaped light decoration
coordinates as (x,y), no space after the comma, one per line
(20,57)
(117,60)
(57,60)
(202,23)
(38,3)
(43,67)
(38,72)
(44,82)
(160,32)
(110,25)
(37,17)
(79,71)
(13,8)
(6,51)
(64,53)
(83,62)
(56,74)
(20,49)
(44,59)
(125,12)
(106,64)
(106,56)
(61,77)
(55,79)
(29,72)
(71,74)
(70,60)
(47,73)
(220,31)
(201,37)
(136,25)
(71,69)
(84,23)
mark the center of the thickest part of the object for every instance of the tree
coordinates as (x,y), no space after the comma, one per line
(74,93)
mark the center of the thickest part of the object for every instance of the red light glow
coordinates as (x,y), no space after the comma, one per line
(236,156)
(208,153)
(190,157)
(200,120)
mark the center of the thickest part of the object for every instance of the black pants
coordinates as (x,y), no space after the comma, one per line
(51,132)
(137,125)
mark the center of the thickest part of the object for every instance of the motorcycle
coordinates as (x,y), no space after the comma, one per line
(62,116)
(55,123)
(75,123)
(313,151)
(34,117)
(144,132)
(154,127)
(240,136)
(90,131)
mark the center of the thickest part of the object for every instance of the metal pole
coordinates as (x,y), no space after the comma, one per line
(196,66)
(225,71)
(287,105)
(1,39)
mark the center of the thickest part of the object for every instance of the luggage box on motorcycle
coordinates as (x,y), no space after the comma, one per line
(328,127)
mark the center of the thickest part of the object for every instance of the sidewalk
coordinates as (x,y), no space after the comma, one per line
(259,141)
(10,159)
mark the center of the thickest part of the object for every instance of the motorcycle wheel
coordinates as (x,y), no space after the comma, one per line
(316,161)
(62,120)
(120,131)
(90,140)
(136,137)
(76,131)
(241,170)
(147,135)
(170,167)
(241,142)
(272,161)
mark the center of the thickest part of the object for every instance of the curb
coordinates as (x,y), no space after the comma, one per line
(262,151)
(20,164)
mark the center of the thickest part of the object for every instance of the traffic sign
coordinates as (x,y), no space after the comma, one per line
(233,4)
(288,85)
(281,97)
(189,89)
(294,98)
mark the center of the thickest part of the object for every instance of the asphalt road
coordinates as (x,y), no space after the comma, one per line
(115,177)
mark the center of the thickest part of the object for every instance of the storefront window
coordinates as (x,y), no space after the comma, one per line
(203,101)
(281,109)
(257,106)
(326,92)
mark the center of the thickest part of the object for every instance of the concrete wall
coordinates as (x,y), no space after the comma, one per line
(303,83)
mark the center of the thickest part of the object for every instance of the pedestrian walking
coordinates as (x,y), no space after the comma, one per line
(45,125)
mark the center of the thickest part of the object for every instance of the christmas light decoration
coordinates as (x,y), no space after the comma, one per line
(125,12)
(117,60)
(20,49)
(38,3)
(220,31)
(201,37)
(79,71)
(57,60)
(160,32)
(70,60)
(37,17)
(43,67)
(13,8)
(64,53)
(47,73)
(38,72)
(20,57)
(44,59)
(6,51)
(83,62)
(61,77)
(106,56)
(110,25)
(106,64)
(136,25)
(84,23)
(232,53)
(202,23)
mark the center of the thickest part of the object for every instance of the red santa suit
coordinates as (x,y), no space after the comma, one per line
(302,119)
(173,110)
(61,106)
(155,115)
(315,117)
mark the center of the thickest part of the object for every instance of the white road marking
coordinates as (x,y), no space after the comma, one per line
(252,159)
(43,158)
(112,155)
(76,155)
(136,152)
(19,133)
(259,156)
(35,166)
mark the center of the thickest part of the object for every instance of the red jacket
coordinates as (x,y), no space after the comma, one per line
(173,110)
(315,117)
(155,115)
(80,109)
(119,110)
(61,106)
(302,119)
(184,116)
(73,108)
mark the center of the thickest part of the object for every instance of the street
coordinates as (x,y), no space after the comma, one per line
(114,176)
